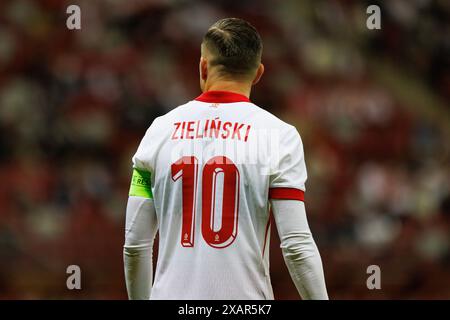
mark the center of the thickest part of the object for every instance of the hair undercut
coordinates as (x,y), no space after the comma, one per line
(235,45)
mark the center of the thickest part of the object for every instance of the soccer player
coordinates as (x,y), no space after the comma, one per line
(207,176)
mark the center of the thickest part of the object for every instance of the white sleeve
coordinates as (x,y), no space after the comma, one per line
(140,230)
(299,249)
(287,179)
(143,159)
(141,223)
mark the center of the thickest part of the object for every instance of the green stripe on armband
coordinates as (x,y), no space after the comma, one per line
(141,184)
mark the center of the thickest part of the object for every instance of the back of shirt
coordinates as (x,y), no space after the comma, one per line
(214,163)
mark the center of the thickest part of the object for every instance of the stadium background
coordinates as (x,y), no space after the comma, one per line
(372,107)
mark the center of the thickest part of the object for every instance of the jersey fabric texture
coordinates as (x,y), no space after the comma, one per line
(213,165)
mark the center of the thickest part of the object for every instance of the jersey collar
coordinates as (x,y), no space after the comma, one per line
(221,97)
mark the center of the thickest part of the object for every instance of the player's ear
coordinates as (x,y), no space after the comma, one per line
(259,74)
(203,67)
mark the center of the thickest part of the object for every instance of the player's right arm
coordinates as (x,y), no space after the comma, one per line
(287,186)
(300,252)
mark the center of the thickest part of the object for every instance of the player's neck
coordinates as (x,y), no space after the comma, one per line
(231,86)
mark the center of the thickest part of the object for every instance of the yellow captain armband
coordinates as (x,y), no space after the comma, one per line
(141,184)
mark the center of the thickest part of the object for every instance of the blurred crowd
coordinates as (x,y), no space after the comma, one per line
(75,104)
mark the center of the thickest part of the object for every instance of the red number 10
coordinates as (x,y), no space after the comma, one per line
(187,167)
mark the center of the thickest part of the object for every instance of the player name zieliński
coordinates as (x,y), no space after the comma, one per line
(211,128)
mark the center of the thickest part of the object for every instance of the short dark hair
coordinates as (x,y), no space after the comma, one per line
(235,45)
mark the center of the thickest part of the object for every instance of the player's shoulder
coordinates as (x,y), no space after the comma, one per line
(162,120)
(258,116)
(269,120)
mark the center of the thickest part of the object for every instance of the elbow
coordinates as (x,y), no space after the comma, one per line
(137,248)
(299,247)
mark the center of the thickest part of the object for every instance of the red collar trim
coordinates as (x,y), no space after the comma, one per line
(221,97)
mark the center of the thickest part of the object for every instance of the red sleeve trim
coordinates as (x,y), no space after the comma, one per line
(286,194)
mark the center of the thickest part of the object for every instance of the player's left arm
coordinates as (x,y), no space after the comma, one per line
(140,230)
(141,221)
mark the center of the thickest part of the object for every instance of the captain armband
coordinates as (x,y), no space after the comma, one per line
(141,184)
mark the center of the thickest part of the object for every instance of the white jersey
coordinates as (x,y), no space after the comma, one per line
(214,163)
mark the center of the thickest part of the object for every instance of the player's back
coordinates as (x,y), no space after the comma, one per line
(214,163)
